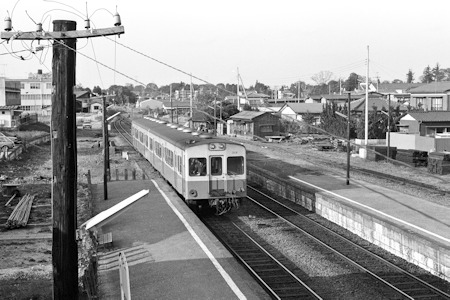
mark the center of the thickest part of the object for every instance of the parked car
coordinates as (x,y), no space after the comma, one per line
(87,124)
(6,143)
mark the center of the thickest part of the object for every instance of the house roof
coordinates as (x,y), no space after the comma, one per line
(198,116)
(247,115)
(397,88)
(360,104)
(336,96)
(301,108)
(254,94)
(431,116)
(430,88)
(81,94)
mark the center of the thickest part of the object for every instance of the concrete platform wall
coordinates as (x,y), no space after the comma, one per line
(419,250)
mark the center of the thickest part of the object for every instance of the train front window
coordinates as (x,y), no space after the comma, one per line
(235,165)
(216,166)
(197,166)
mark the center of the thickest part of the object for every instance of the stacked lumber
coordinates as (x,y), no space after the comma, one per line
(439,163)
(413,158)
(21,213)
(377,153)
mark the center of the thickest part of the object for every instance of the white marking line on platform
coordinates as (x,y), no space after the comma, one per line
(211,257)
(375,210)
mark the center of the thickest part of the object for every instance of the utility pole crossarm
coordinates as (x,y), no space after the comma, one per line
(73,34)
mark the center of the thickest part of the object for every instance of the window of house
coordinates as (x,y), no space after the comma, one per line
(35,85)
(420,102)
(22,86)
(48,85)
(436,103)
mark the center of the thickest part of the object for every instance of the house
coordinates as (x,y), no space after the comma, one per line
(399,92)
(358,107)
(297,111)
(432,96)
(253,123)
(254,98)
(202,122)
(178,107)
(82,99)
(339,99)
(423,131)
(426,123)
(9,116)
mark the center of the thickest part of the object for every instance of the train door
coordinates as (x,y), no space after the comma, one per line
(217,177)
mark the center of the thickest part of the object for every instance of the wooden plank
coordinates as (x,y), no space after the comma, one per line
(34,35)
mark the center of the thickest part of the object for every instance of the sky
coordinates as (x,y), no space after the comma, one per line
(273,42)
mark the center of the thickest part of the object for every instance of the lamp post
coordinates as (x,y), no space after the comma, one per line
(106,149)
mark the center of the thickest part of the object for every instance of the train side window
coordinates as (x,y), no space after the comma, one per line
(235,165)
(197,166)
(151,144)
(216,165)
(146,140)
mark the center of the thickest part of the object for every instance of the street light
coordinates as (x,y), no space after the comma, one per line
(106,149)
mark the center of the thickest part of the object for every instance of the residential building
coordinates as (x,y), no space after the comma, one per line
(432,96)
(423,131)
(376,100)
(297,111)
(254,123)
(399,92)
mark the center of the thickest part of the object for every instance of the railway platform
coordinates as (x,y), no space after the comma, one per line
(170,253)
(407,226)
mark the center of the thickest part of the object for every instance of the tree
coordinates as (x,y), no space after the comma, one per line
(262,88)
(323,77)
(97,90)
(438,73)
(352,82)
(427,76)
(409,76)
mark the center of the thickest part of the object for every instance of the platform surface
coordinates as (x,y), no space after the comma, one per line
(170,253)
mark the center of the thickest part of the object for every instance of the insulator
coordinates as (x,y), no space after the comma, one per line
(117,21)
(39,27)
(8,25)
(87,24)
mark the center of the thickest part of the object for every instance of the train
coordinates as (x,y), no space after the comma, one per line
(208,172)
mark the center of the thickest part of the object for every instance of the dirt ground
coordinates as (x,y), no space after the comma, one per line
(26,260)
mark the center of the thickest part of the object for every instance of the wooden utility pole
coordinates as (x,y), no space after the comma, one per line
(64,148)
(64,159)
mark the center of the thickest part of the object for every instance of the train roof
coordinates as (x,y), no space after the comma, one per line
(179,138)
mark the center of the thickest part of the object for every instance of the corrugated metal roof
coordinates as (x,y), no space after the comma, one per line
(431,116)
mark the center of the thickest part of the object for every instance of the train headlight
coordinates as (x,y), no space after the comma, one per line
(217,146)
(193,193)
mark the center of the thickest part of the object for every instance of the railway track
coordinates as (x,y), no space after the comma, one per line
(271,273)
(405,284)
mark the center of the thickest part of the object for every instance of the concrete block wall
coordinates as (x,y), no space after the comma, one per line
(422,251)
